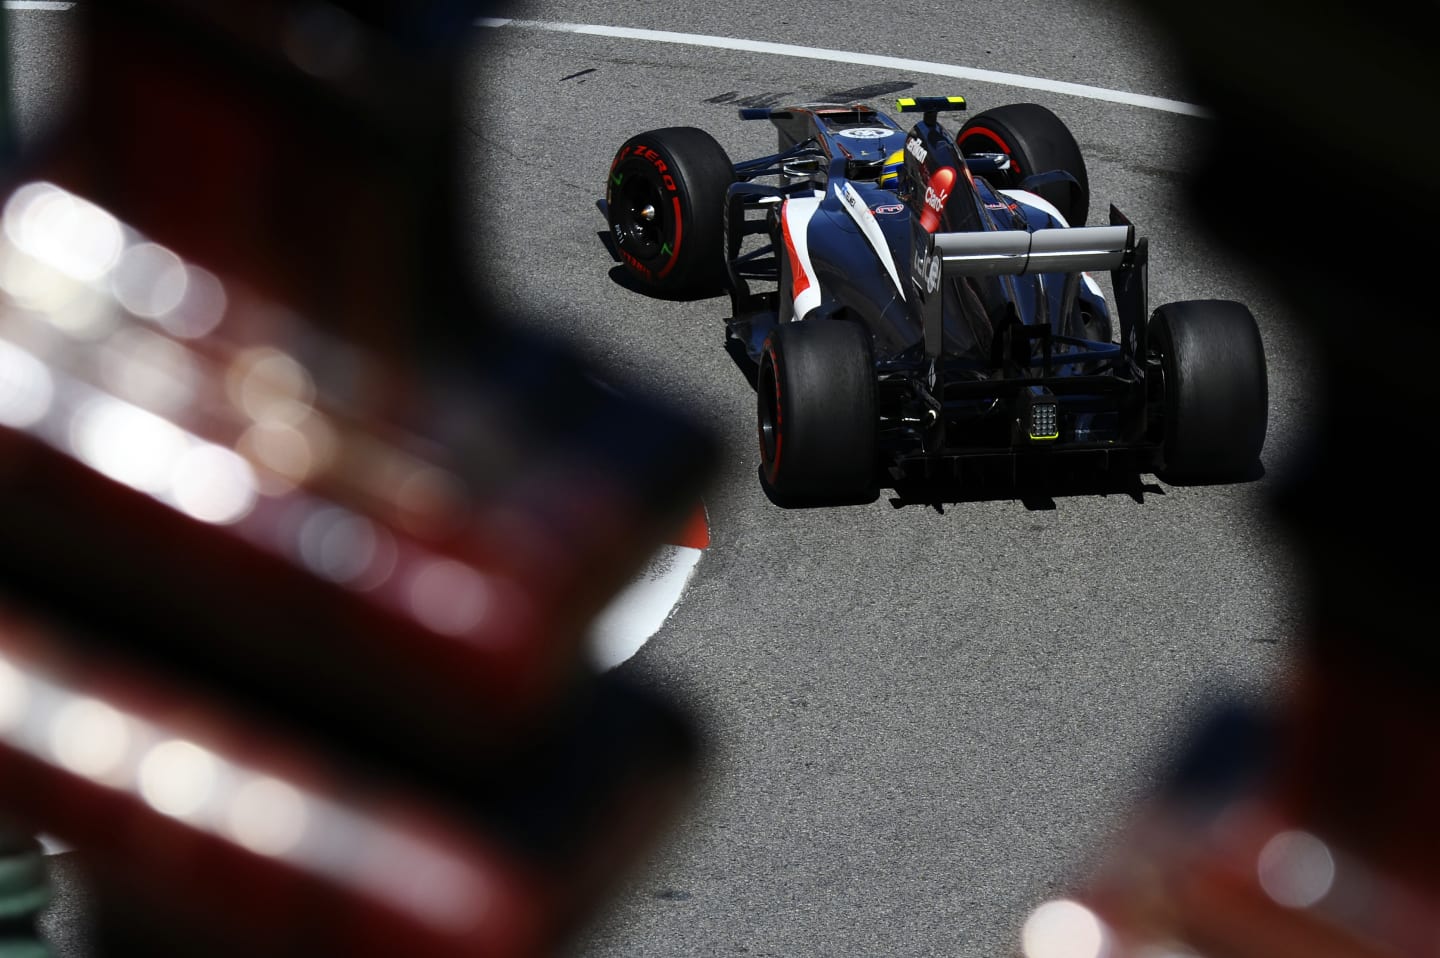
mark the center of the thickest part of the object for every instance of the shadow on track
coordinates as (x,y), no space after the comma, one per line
(1038,489)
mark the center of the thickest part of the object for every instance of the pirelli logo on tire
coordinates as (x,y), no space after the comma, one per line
(651,157)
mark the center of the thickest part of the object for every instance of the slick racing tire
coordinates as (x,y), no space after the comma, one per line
(665,203)
(1037,141)
(1216,391)
(815,395)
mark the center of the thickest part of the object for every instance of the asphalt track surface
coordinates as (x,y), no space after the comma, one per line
(922,721)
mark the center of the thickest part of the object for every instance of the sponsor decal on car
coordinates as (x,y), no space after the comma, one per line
(859,211)
(915,148)
(868,133)
(927,267)
(888,209)
(795,215)
(937,193)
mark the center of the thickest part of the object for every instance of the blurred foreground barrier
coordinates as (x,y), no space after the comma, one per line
(1308,828)
(299,543)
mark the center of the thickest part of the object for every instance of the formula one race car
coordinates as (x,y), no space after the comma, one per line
(920,304)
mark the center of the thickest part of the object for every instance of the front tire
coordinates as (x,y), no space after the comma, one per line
(1037,141)
(1216,390)
(815,396)
(664,201)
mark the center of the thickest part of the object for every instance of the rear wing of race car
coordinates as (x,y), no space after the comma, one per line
(1014,252)
(1068,250)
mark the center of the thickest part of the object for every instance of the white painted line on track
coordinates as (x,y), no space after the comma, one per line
(36,5)
(862,59)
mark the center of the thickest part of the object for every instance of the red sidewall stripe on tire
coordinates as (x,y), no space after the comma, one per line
(679,233)
(995,138)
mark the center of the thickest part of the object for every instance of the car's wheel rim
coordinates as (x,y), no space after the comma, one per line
(638,217)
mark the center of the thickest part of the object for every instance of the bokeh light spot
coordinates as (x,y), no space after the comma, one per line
(150,370)
(61,230)
(338,545)
(149,280)
(449,597)
(1296,869)
(270,385)
(201,310)
(26,388)
(177,778)
(90,738)
(1063,929)
(268,816)
(127,443)
(213,485)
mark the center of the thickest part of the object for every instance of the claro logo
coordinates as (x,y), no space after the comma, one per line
(937,193)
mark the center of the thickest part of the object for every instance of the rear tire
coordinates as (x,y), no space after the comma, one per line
(816,409)
(1216,391)
(665,203)
(1037,141)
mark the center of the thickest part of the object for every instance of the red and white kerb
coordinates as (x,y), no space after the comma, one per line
(638,612)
